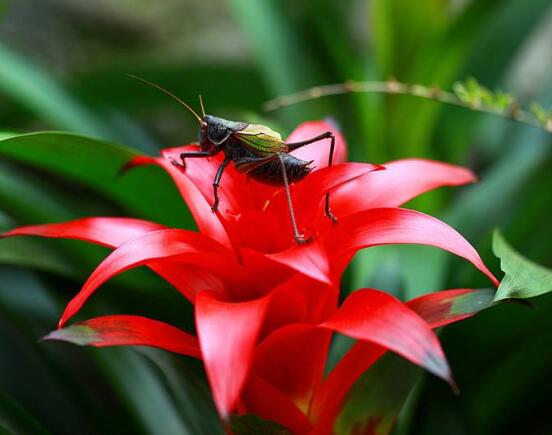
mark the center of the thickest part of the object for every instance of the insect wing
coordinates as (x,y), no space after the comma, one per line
(261,140)
(248,164)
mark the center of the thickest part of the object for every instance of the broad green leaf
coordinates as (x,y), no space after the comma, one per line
(141,387)
(191,391)
(40,380)
(377,397)
(7,134)
(14,419)
(250,424)
(523,278)
(29,198)
(34,88)
(144,192)
(34,254)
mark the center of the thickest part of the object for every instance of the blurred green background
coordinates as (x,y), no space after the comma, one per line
(62,67)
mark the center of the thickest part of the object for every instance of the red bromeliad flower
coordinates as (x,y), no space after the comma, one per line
(265,307)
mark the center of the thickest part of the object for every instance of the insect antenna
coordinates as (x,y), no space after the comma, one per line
(201,104)
(170,94)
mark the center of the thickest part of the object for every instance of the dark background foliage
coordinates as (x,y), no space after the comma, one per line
(62,67)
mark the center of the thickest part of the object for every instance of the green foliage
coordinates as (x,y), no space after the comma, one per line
(142,193)
(523,278)
(543,116)
(34,88)
(473,94)
(377,397)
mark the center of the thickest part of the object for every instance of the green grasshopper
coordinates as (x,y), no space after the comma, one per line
(256,150)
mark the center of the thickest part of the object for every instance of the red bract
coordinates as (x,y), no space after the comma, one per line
(265,307)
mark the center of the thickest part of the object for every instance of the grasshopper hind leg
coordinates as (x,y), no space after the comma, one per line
(299,238)
(325,135)
(328,210)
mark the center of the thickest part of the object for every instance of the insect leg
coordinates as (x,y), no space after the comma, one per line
(298,237)
(216,183)
(326,135)
(295,145)
(189,154)
(327,210)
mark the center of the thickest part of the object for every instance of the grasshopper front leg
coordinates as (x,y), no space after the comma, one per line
(216,183)
(190,154)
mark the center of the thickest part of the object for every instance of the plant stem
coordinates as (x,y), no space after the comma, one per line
(392,87)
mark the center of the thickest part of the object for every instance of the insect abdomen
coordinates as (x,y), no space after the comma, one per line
(270,172)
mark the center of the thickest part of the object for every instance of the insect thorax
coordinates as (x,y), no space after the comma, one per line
(218,129)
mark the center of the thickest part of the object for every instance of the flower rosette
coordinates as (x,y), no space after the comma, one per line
(265,307)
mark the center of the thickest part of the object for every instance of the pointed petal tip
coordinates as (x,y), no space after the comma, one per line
(135,162)
(55,335)
(62,320)
(48,337)
(439,366)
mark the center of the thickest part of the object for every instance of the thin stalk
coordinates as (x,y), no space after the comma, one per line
(393,87)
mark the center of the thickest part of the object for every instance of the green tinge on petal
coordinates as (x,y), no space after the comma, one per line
(76,334)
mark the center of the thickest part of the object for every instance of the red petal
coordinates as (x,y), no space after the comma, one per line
(437,309)
(318,151)
(227,335)
(128,331)
(201,172)
(113,232)
(299,299)
(106,231)
(383,226)
(380,318)
(310,259)
(262,399)
(309,194)
(450,306)
(292,359)
(330,394)
(164,244)
(207,222)
(400,182)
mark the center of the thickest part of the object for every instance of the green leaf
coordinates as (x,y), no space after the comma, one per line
(523,278)
(377,397)
(144,192)
(34,88)
(142,389)
(29,198)
(189,389)
(34,254)
(14,419)
(250,424)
